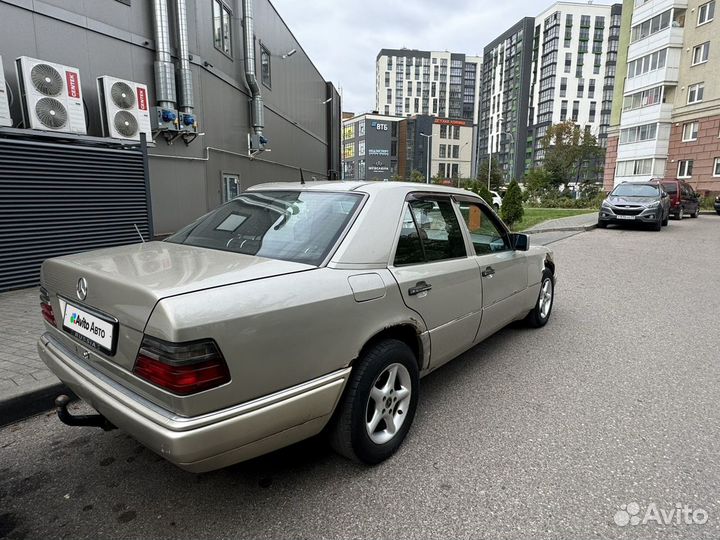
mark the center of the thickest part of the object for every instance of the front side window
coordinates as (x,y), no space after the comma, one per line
(265,74)
(486,235)
(222,31)
(438,230)
(296,226)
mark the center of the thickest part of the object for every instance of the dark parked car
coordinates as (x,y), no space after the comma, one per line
(635,202)
(683,199)
(717,204)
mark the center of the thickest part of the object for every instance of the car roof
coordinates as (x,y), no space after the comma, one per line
(371,188)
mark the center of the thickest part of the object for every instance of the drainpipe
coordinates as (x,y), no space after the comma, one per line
(185,80)
(164,68)
(256,109)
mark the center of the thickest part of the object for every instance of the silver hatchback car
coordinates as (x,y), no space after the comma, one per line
(290,310)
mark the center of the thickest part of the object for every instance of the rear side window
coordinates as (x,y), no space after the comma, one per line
(438,230)
(296,226)
(670,188)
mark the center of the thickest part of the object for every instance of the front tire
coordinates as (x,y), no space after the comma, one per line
(540,314)
(602,224)
(378,406)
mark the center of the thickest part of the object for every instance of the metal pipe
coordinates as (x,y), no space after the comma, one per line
(257,109)
(164,68)
(185,80)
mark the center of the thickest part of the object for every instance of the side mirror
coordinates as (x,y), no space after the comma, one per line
(664,195)
(521,242)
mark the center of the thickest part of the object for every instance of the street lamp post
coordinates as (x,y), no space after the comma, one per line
(427,151)
(460,158)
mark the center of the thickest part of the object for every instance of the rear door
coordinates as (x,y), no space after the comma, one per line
(437,279)
(504,271)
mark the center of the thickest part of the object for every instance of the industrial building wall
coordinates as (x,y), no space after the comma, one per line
(108,37)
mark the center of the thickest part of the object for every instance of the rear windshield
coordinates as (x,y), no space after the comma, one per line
(670,187)
(297,226)
(636,190)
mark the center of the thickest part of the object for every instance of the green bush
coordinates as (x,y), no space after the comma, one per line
(512,207)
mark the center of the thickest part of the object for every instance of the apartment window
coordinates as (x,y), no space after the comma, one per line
(581,88)
(389,95)
(222,32)
(646,98)
(635,167)
(456,132)
(648,63)
(455,151)
(441,170)
(716,168)
(690,131)
(591,88)
(265,75)
(568,62)
(651,26)
(685,167)
(563,86)
(231,186)
(575,111)
(646,132)
(443,151)
(706,13)
(443,132)
(593,107)
(390,62)
(695,93)
(387,79)
(387,110)
(563,110)
(701,53)
(454,169)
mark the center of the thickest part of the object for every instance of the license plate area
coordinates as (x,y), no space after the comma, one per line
(626,217)
(96,330)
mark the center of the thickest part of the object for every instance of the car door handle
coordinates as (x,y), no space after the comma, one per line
(420,286)
(488,272)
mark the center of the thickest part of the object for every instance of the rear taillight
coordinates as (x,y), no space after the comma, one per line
(181,368)
(46,307)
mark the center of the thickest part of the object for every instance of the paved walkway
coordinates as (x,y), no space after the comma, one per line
(24,379)
(583,222)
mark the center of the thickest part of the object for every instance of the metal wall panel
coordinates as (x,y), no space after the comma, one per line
(57,199)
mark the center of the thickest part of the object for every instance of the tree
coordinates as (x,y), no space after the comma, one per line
(484,192)
(417,176)
(571,154)
(495,174)
(512,208)
(538,185)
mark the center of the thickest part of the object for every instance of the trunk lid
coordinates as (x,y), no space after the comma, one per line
(126,282)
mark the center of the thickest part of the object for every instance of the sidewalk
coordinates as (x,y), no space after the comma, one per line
(583,222)
(26,385)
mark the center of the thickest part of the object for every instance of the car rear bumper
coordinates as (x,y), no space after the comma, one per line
(210,441)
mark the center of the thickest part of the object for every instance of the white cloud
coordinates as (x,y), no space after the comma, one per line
(343,37)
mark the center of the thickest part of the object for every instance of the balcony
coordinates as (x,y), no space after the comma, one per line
(670,37)
(646,115)
(656,7)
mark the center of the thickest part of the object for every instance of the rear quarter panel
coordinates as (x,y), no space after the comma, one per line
(279,332)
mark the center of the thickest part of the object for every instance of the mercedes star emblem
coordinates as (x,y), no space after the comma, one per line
(82,288)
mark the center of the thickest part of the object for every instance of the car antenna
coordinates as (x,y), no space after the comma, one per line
(138,231)
(302,177)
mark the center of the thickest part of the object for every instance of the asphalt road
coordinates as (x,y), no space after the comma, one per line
(533,434)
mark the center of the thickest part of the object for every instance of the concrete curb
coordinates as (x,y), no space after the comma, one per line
(23,406)
(581,228)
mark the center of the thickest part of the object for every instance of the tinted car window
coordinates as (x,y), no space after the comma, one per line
(485,234)
(439,229)
(670,188)
(297,226)
(636,190)
(409,249)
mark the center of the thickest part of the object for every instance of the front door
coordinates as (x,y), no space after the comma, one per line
(503,270)
(437,279)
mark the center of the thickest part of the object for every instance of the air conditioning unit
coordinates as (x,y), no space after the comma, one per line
(124,108)
(51,96)
(5,118)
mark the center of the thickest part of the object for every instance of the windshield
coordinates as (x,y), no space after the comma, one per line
(635,190)
(297,226)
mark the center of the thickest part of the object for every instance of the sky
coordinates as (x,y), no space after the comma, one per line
(343,37)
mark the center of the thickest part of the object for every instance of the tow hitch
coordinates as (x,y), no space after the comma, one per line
(88,420)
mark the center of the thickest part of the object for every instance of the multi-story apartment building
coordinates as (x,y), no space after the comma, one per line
(573,71)
(694,144)
(450,142)
(558,66)
(652,51)
(370,147)
(504,98)
(444,84)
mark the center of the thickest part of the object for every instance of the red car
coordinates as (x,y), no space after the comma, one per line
(683,199)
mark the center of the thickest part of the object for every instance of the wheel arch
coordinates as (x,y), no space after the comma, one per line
(408,333)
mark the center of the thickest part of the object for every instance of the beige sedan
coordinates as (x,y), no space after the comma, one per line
(290,310)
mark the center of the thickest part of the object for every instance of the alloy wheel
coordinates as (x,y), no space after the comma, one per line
(546,297)
(388,403)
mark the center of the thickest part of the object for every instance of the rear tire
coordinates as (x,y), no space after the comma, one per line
(680,215)
(696,213)
(540,314)
(378,405)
